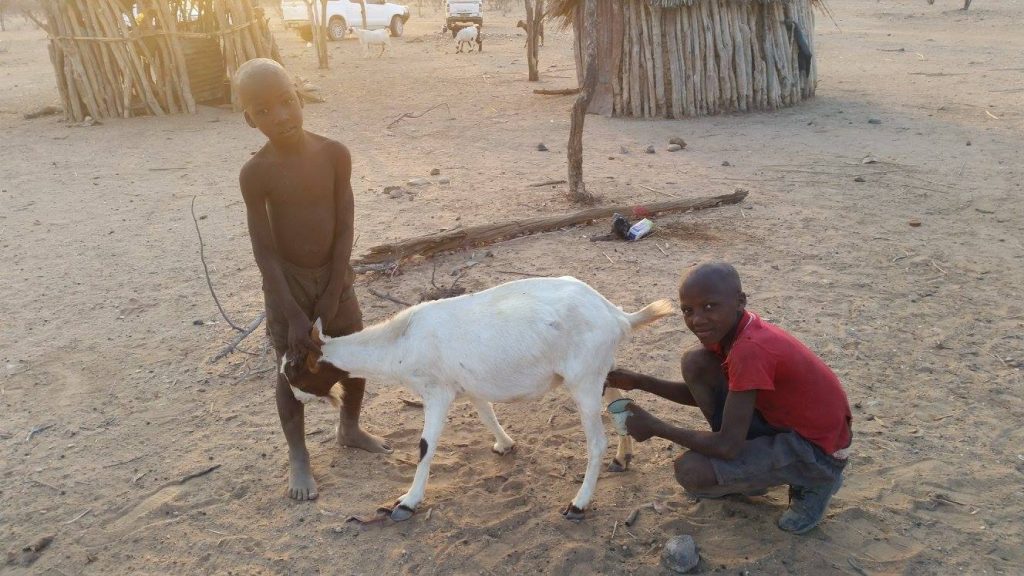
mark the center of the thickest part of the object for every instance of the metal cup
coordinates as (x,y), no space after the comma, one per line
(618,410)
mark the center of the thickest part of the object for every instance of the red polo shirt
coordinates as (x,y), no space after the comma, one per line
(795,389)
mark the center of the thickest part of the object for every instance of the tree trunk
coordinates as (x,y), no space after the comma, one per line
(531,41)
(362,11)
(577,189)
(319,27)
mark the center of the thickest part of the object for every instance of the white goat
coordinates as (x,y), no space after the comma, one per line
(469,35)
(369,38)
(511,342)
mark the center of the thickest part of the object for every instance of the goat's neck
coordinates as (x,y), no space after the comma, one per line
(368,354)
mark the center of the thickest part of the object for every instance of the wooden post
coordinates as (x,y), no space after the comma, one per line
(322,47)
(319,31)
(577,189)
(531,37)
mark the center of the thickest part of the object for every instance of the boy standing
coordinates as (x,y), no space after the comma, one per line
(299,208)
(778,414)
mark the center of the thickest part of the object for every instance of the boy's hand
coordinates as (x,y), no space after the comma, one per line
(300,344)
(623,379)
(641,425)
(326,309)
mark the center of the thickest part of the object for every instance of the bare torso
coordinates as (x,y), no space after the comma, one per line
(300,201)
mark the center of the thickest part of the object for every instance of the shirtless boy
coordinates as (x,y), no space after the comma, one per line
(299,207)
(778,414)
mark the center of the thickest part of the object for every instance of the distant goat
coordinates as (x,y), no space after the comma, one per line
(369,38)
(469,35)
(540,30)
(515,341)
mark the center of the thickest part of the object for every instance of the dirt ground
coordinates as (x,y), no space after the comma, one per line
(103,288)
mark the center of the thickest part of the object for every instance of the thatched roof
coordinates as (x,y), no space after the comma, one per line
(565,10)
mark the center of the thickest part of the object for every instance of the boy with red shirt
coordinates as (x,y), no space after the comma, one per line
(778,414)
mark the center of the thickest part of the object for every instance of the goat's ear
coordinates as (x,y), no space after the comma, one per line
(316,333)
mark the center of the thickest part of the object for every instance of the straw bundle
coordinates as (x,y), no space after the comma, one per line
(676,58)
(112,61)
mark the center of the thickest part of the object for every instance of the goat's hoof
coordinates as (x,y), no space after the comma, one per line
(503,451)
(401,513)
(616,466)
(572,513)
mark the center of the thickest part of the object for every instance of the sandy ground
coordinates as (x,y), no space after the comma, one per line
(102,284)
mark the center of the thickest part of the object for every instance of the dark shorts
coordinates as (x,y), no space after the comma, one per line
(773,457)
(306,287)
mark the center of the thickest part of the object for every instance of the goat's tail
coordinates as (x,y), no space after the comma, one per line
(650,313)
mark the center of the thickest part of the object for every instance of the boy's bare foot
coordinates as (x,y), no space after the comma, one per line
(356,437)
(301,485)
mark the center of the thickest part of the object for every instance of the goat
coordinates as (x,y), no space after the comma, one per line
(469,35)
(369,38)
(514,341)
(540,31)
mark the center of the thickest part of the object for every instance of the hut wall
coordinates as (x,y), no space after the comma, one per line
(708,57)
(111,62)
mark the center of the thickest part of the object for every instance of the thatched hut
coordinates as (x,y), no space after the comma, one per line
(676,58)
(122,58)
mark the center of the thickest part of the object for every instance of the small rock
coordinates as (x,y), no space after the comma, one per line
(678,142)
(624,150)
(541,147)
(859,179)
(869,159)
(389,189)
(874,121)
(418,182)
(435,172)
(726,163)
(915,223)
(968,142)
(444,180)
(30,553)
(198,322)
(674,148)
(680,554)
(650,149)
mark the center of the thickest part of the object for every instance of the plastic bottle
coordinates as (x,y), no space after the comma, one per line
(640,229)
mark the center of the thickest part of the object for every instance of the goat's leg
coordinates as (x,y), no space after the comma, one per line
(435,410)
(589,405)
(502,443)
(624,451)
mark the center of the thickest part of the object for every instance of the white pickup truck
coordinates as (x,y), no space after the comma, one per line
(463,13)
(343,15)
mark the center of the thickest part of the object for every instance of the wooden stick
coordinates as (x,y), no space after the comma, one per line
(249,329)
(490,233)
(411,115)
(547,183)
(206,270)
(388,297)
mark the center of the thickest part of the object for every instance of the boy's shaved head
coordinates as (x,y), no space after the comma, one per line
(720,276)
(251,77)
(712,301)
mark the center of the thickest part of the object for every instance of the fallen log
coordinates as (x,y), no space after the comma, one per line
(559,92)
(457,238)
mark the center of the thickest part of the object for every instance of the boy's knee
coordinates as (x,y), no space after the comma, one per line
(699,362)
(694,472)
